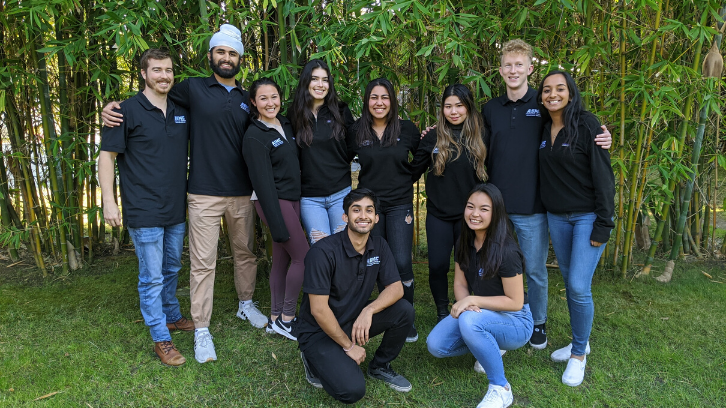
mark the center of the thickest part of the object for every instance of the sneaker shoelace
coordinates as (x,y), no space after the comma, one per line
(494,394)
(251,307)
(203,338)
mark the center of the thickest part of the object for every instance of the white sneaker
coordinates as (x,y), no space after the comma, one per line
(204,347)
(497,397)
(250,312)
(479,369)
(563,355)
(574,373)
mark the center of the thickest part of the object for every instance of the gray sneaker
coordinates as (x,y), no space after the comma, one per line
(204,347)
(390,377)
(252,313)
(313,380)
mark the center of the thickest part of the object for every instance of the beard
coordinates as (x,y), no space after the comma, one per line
(153,85)
(224,72)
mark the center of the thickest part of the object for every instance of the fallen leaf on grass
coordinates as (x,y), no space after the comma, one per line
(563,298)
(715,281)
(664,318)
(707,275)
(12,390)
(138,321)
(563,289)
(609,313)
(47,395)
(274,356)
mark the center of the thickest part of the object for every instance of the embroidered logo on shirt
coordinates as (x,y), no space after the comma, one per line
(245,107)
(533,112)
(366,143)
(565,144)
(544,143)
(436,150)
(180,119)
(373,261)
(329,121)
(481,272)
(277,142)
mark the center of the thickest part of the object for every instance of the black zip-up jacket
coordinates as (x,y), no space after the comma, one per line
(386,170)
(324,164)
(446,194)
(274,169)
(578,178)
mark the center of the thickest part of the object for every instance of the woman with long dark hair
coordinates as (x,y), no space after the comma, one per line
(271,154)
(578,190)
(491,310)
(454,154)
(383,143)
(319,119)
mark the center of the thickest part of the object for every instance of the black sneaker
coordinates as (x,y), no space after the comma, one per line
(412,335)
(268,328)
(313,380)
(539,337)
(283,329)
(390,377)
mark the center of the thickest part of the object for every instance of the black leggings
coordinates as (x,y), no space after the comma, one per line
(440,237)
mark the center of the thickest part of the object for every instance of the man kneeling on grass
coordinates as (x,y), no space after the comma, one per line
(336,316)
(151,150)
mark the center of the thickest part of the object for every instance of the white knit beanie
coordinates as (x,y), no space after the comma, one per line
(230,36)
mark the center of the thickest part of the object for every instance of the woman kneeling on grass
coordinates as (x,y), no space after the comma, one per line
(491,310)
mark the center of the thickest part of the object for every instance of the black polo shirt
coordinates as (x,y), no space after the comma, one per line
(513,130)
(334,268)
(219,120)
(152,162)
(511,266)
(325,164)
(274,170)
(386,170)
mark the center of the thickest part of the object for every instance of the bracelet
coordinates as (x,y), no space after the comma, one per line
(349,349)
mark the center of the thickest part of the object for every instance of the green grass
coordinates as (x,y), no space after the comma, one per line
(653,345)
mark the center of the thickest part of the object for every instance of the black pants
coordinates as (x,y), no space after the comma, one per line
(440,237)
(341,377)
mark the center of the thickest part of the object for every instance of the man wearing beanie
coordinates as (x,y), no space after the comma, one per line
(219,184)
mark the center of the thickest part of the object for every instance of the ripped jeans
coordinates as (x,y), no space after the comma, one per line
(395,225)
(323,216)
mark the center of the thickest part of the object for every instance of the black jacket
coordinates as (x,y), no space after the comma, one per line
(273,165)
(578,178)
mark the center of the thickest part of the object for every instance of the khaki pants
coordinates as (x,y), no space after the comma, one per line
(205,213)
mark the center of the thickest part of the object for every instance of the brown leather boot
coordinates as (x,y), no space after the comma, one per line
(168,353)
(181,324)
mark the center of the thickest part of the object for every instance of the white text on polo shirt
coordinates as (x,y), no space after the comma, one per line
(533,112)
(277,142)
(180,119)
(373,261)
(245,107)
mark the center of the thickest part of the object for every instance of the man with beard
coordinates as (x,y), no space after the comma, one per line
(219,184)
(336,316)
(151,151)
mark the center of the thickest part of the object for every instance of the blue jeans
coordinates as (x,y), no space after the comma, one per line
(483,334)
(577,259)
(323,216)
(535,243)
(159,250)
(395,225)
